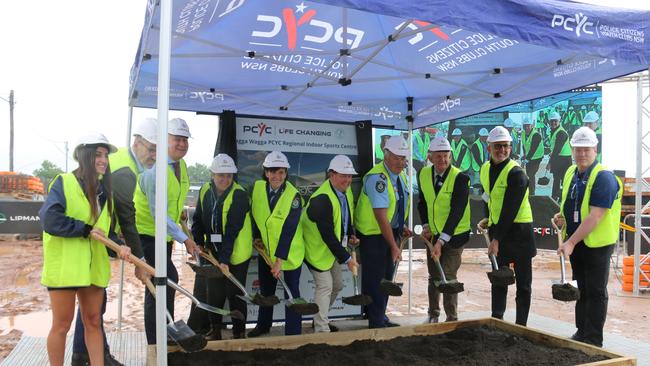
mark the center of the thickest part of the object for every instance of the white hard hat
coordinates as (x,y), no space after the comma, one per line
(178,127)
(276,159)
(584,137)
(554,116)
(93,138)
(147,129)
(222,163)
(483,132)
(456,132)
(527,122)
(397,145)
(499,133)
(342,165)
(508,122)
(439,144)
(591,117)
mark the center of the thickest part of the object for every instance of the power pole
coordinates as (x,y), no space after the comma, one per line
(11,131)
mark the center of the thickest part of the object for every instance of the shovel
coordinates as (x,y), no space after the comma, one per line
(255,300)
(299,305)
(445,287)
(563,290)
(358,299)
(202,269)
(392,288)
(180,332)
(236,314)
(503,276)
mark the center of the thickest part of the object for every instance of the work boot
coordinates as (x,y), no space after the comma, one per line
(256,332)
(214,334)
(333,328)
(80,359)
(431,319)
(238,334)
(390,324)
(109,360)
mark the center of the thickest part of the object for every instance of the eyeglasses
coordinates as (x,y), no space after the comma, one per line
(151,148)
(501,146)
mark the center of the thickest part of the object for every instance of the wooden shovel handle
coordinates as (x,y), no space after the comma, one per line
(354,258)
(264,254)
(210,258)
(559,232)
(116,248)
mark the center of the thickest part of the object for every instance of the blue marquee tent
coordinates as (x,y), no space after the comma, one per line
(350,60)
(379,60)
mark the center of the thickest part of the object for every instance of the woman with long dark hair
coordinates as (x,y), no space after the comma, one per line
(75,267)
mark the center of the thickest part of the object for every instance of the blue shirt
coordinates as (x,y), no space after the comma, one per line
(603,194)
(344,210)
(148,186)
(375,188)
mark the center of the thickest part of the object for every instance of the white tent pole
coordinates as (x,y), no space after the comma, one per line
(639,186)
(161,179)
(409,119)
(120,295)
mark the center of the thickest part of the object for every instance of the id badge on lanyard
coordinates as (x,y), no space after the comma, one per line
(344,242)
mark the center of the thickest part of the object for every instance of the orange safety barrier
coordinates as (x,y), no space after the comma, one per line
(630,278)
(629,287)
(628,270)
(629,260)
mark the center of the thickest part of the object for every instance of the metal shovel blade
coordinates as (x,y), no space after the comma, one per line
(207,271)
(390,288)
(185,337)
(303,307)
(565,292)
(265,300)
(358,300)
(451,287)
(503,276)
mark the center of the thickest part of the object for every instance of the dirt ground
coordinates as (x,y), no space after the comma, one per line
(468,346)
(24,303)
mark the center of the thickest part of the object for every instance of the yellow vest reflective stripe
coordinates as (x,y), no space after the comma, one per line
(528,140)
(456,148)
(317,253)
(606,232)
(364,216)
(422,145)
(243,246)
(476,165)
(270,223)
(566,148)
(79,261)
(438,206)
(496,196)
(176,194)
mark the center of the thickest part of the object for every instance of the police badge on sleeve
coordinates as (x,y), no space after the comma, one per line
(380,186)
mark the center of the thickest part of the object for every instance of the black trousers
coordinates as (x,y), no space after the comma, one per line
(590,268)
(559,166)
(524,279)
(148,245)
(531,169)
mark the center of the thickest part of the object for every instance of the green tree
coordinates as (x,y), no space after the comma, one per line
(47,172)
(198,173)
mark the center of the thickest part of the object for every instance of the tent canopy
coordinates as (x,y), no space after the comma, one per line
(350,60)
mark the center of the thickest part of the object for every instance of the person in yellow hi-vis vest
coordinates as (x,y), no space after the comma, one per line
(178,185)
(444,209)
(379,218)
(76,267)
(126,164)
(460,154)
(510,222)
(222,225)
(589,214)
(276,207)
(533,152)
(327,229)
(560,156)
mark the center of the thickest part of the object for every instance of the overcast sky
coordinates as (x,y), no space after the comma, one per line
(69,61)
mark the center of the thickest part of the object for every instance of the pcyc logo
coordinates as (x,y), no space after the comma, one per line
(260,129)
(578,23)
